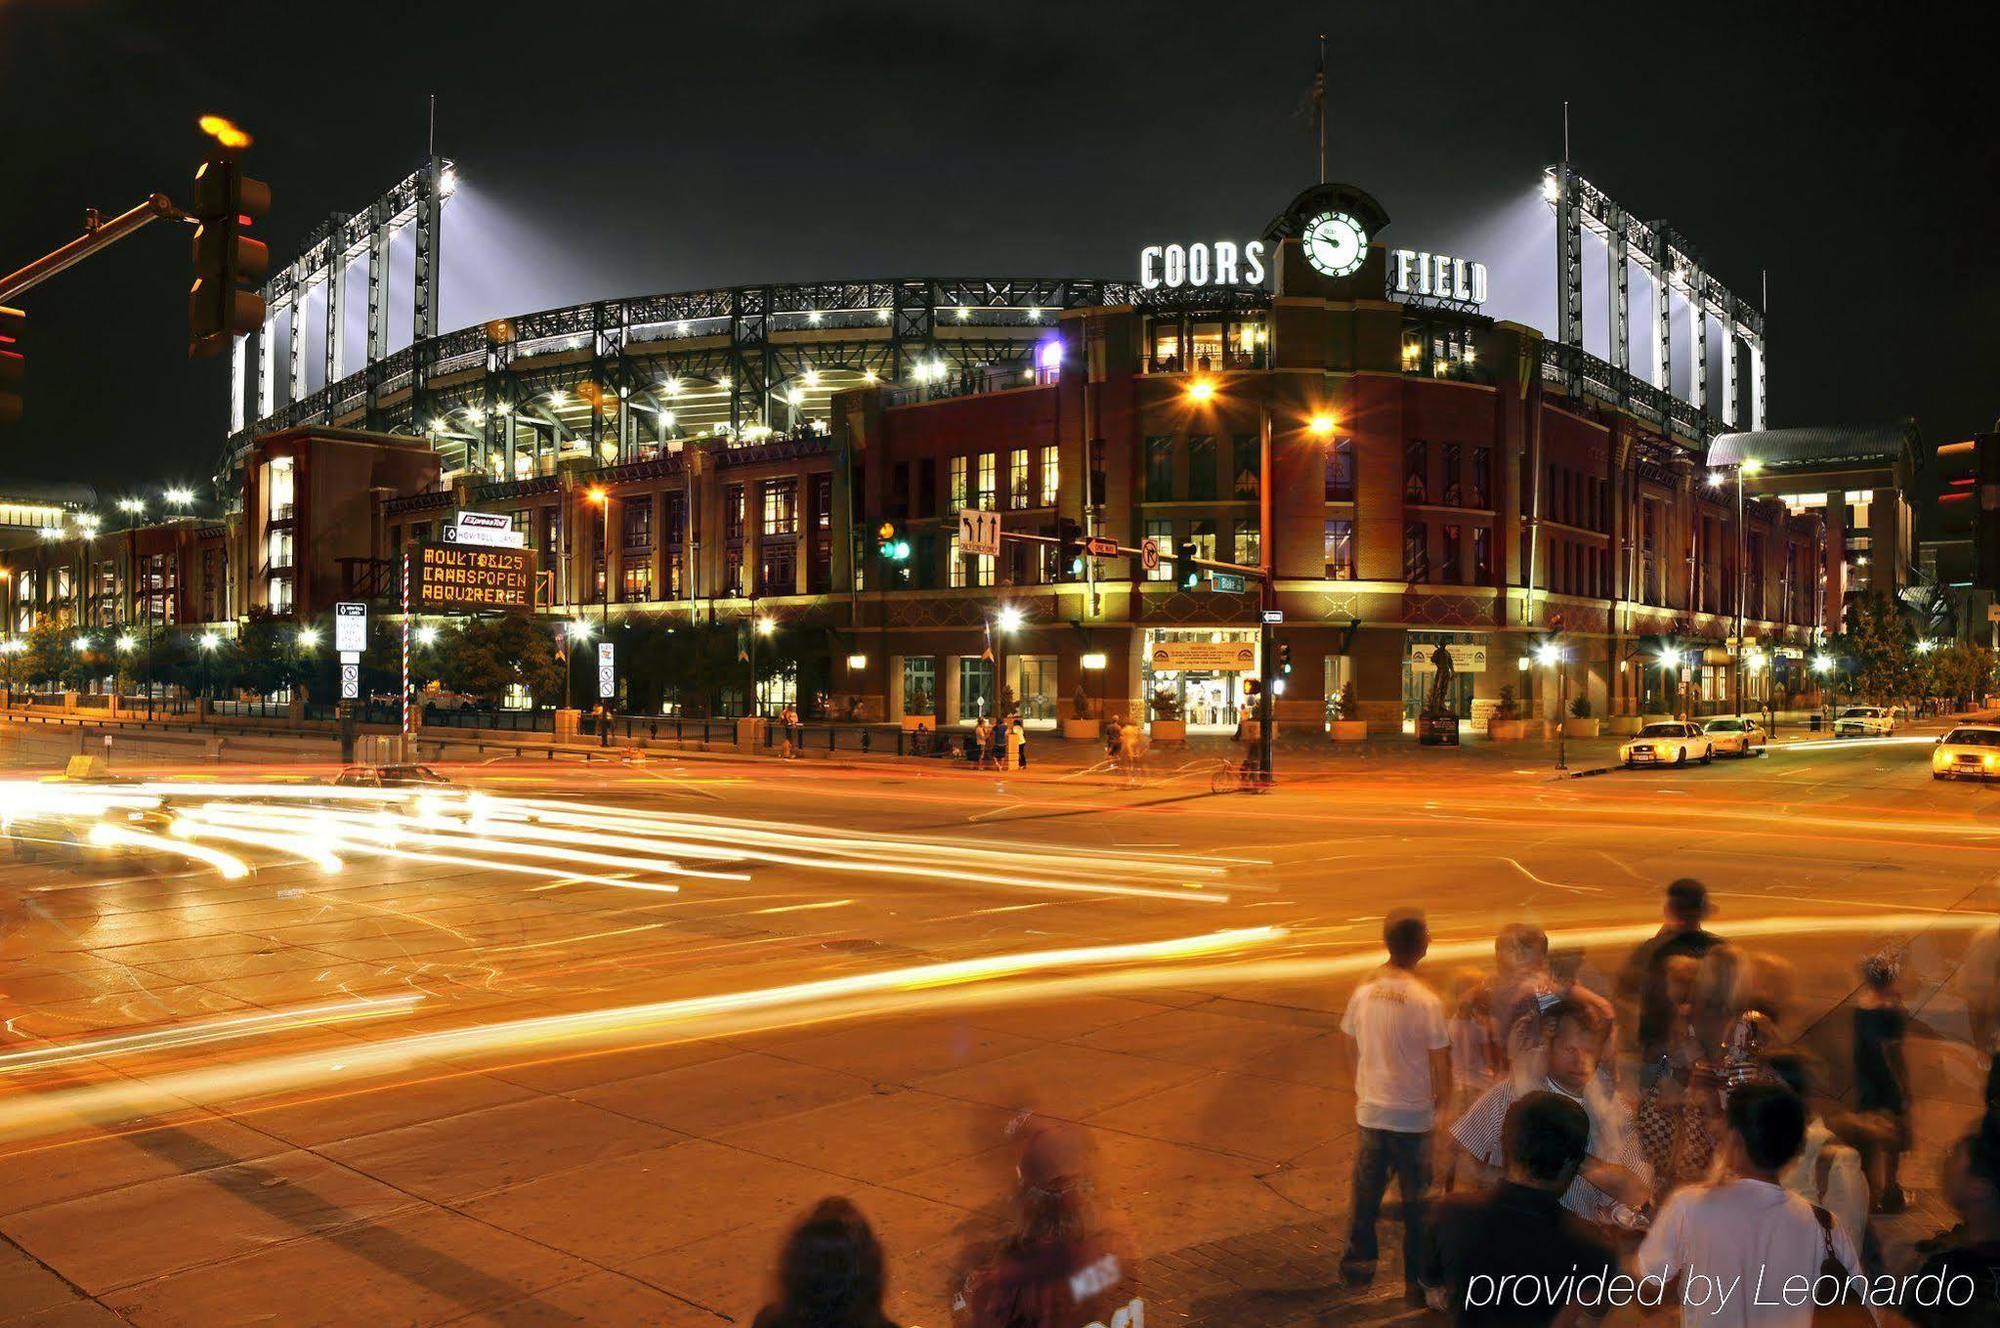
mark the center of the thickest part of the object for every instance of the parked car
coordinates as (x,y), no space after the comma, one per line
(1970,751)
(1735,735)
(449,702)
(1865,722)
(1669,742)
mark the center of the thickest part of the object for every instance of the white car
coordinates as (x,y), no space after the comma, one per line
(1669,742)
(1970,751)
(1865,722)
(1736,735)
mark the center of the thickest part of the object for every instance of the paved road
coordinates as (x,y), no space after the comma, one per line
(583,1060)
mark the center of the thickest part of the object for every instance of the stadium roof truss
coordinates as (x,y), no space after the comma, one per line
(1667,260)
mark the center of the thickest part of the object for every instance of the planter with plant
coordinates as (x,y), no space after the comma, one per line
(1081,722)
(918,712)
(1582,723)
(1347,725)
(1506,725)
(1167,725)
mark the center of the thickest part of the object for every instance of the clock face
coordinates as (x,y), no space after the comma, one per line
(1335,244)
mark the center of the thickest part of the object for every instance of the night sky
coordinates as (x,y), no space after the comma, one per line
(619,150)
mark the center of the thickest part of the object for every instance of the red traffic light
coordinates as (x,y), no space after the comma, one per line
(226,260)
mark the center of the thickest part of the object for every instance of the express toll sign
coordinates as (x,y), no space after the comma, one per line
(474,577)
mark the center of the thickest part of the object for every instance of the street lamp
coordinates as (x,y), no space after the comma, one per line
(1550,655)
(1745,468)
(308,637)
(578,631)
(427,634)
(180,497)
(598,494)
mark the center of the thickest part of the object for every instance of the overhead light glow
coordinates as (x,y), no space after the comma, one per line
(1009,618)
(766,626)
(579,630)
(1321,425)
(1201,389)
(427,634)
(126,641)
(308,637)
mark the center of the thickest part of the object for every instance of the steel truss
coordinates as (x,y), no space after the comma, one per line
(1668,260)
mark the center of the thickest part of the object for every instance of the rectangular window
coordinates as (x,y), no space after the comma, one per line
(778,567)
(1454,483)
(1479,490)
(1340,471)
(1416,552)
(635,582)
(278,485)
(1051,475)
(1203,537)
(1416,472)
(1248,547)
(732,512)
(637,519)
(969,571)
(1205,346)
(1159,469)
(1246,345)
(1166,345)
(1018,495)
(781,507)
(986,496)
(1340,550)
(919,684)
(281,594)
(1245,464)
(961,489)
(1162,534)
(1482,555)
(975,687)
(732,572)
(278,549)
(1454,554)
(1201,467)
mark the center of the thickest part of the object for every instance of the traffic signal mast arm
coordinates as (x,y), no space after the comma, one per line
(1125,551)
(100,235)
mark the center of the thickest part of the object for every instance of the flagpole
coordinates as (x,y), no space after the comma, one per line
(1319,105)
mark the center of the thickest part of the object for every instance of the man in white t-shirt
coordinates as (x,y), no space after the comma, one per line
(1402,1076)
(1734,1246)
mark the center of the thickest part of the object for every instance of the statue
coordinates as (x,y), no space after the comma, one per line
(1438,703)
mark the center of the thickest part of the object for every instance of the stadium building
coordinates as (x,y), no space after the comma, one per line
(1436,476)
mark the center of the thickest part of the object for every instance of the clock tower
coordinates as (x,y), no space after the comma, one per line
(1325,245)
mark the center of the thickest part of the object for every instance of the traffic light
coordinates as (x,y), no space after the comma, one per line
(226,260)
(1185,572)
(1252,687)
(1284,657)
(892,543)
(13,365)
(1069,550)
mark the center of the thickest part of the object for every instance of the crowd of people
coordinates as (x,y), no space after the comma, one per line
(1566,1145)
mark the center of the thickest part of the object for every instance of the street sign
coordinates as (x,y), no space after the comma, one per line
(350,656)
(1101,546)
(489,529)
(350,682)
(1149,554)
(1225,581)
(607,673)
(1274,615)
(978,532)
(475,578)
(350,627)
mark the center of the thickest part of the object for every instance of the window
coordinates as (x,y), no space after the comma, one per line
(781,507)
(1416,552)
(635,582)
(968,571)
(1205,346)
(975,687)
(1245,464)
(732,512)
(278,549)
(1479,490)
(919,684)
(1416,472)
(1017,478)
(1201,467)
(778,567)
(1166,345)
(1051,475)
(1340,550)
(1246,543)
(1162,534)
(1454,553)
(732,572)
(960,490)
(279,488)
(281,594)
(1159,469)
(986,494)
(1202,536)
(1454,489)
(1482,555)
(638,522)
(1246,346)
(1340,471)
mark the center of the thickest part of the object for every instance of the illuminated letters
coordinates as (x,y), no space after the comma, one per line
(1438,277)
(1203,263)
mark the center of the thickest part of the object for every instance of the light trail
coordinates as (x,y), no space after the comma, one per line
(214,1030)
(110,833)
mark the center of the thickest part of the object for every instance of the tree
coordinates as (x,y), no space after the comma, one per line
(488,656)
(1878,644)
(265,657)
(51,657)
(1961,672)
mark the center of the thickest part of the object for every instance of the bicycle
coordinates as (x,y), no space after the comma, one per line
(1239,777)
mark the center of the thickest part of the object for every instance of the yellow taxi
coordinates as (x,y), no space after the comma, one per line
(1970,751)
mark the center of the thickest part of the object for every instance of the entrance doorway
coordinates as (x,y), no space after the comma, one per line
(1212,700)
(1033,678)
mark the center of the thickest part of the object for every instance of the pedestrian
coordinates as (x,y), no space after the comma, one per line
(1615,1179)
(1520,1227)
(1061,1265)
(829,1273)
(1679,1099)
(1724,1241)
(1402,1078)
(1972,1186)
(982,733)
(1524,986)
(1131,749)
(1017,745)
(1826,1172)
(1111,730)
(1882,1080)
(1644,982)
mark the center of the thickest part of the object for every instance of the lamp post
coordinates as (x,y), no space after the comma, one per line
(760,626)
(208,641)
(578,632)
(1745,468)
(1550,655)
(602,497)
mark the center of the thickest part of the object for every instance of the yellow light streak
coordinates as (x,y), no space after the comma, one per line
(212,1030)
(108,833)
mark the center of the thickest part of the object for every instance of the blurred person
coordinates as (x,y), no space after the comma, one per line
(1520,1227)
(1017,744)
(829,1273)
(1761,996)
(1402,1078)
(1978,982)
(1724,1241)
(1060,1265)
(1112,729)
(982,733)
(1475,1060)
(1615,1178)
(1526,984)
(1643,981)
(1131,747)
(1826,1172)
(1680,1096)
(1971,1178)
(1882,1080)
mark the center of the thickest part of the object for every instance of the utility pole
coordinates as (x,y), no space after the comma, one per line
(1268,591)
